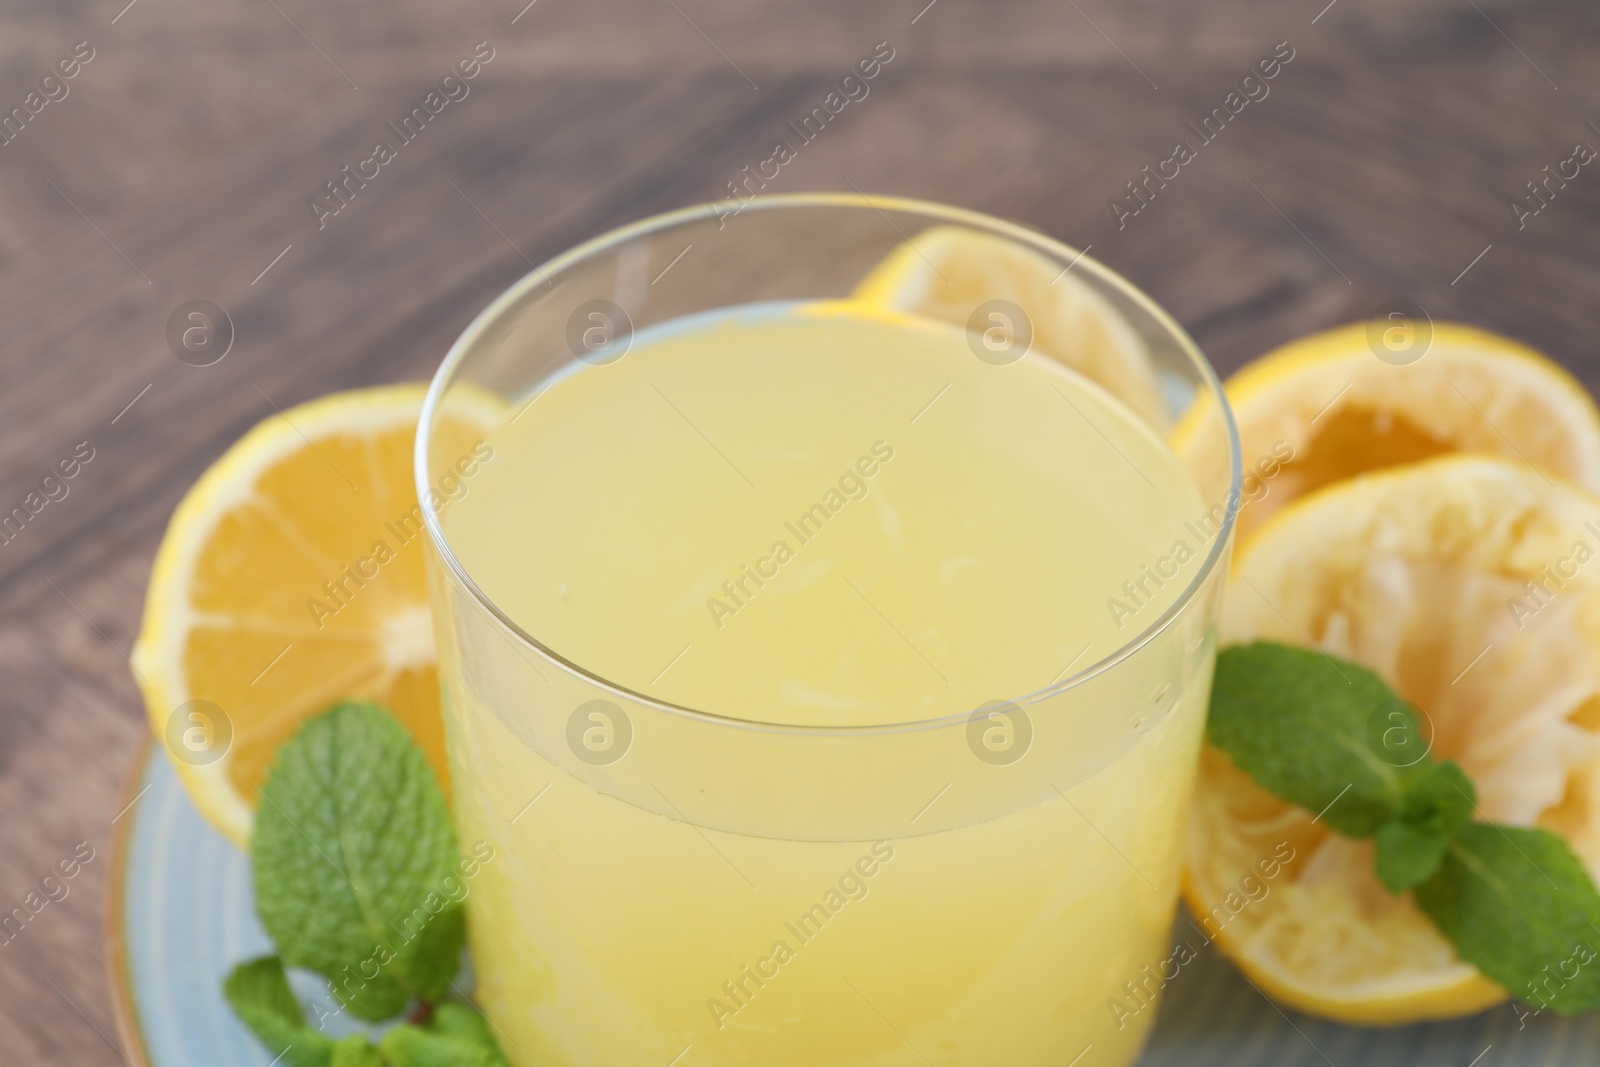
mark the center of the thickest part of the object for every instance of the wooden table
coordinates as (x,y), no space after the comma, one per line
(1381,165)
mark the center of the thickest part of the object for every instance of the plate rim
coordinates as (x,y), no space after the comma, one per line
(124,1006)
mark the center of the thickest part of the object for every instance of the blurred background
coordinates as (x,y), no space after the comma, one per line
(180,160)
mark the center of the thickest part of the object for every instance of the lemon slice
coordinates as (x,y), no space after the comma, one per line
(948,273)
(290,577)
(1339,410)
(1418,573)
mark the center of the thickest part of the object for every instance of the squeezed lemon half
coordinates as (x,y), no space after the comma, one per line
(1421,573)
(1339,410)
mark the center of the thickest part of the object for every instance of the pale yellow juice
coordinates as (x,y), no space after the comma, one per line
(803,517)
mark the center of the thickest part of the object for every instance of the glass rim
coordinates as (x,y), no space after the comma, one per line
(1077,259)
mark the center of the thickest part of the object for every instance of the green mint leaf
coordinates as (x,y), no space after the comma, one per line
(259,994)
(1407,856)
(413,1046)
(1301,724)
(352,849)
(461,1020)
(1439,801)
(1518,905)
(355,1051)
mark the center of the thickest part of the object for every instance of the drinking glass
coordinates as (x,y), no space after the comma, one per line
(666,885)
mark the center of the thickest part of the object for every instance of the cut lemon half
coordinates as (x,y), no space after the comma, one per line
(953,274)
(1472,586)
(1330,403)
(291,577)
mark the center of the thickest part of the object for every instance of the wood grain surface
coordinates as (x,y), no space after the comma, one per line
(1381,165)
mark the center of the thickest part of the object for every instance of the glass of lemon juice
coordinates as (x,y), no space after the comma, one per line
(825,631)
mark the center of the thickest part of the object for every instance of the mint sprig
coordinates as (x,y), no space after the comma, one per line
(1330,736)
(352,850)
(356,880)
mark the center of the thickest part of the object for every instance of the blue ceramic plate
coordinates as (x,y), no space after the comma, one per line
(180,915)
